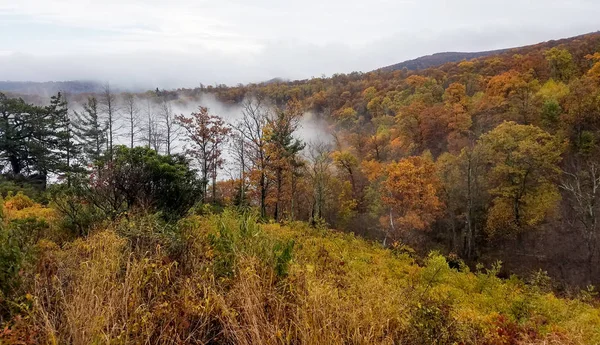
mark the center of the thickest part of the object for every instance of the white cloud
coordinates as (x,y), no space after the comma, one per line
(181,43)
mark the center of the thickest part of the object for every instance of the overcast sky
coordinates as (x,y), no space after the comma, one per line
(171,43)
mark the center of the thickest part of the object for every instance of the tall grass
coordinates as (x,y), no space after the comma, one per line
(226,279)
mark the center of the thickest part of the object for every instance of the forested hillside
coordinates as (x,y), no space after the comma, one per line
(438,59)
(457,204)
(499,152)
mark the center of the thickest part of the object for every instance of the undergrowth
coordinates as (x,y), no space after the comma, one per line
(227,279)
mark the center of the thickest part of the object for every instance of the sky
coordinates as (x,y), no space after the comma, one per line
(182,43)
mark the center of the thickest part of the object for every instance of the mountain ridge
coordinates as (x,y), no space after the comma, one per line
(441,58)
(437,59)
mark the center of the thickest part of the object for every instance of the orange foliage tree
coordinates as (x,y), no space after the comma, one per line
(408,191)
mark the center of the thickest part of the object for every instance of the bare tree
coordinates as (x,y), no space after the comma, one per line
(169,126)
(250,128)
(153,136)
(583,196)
(239,156)
(110,108)
(132,111)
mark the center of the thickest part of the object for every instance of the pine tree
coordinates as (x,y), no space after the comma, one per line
(91,132)
(68,150)
(32,138)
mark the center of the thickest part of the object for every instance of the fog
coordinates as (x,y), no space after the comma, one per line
(148,44)
(312,128)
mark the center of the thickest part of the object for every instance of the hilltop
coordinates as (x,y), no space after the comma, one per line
(438,59)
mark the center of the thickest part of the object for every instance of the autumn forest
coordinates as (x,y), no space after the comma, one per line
(451,204)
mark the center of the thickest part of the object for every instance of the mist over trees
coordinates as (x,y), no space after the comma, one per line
(469,157)
(452,205)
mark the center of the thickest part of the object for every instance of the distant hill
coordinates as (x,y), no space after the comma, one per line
(49,87)
(275,81)
(439,59)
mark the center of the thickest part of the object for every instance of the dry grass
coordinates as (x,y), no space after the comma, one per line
(225,285)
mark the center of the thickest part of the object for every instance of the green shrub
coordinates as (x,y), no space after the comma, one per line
(149,233)
(241,235)
(11,256)
(431,323)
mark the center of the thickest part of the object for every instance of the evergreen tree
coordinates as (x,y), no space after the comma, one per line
(64,149)
(32,137)
(15,130)
(91,132)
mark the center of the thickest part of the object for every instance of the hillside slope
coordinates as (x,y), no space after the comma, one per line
(225,279)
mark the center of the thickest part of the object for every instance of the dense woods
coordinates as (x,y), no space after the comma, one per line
(484,157)
(492,161)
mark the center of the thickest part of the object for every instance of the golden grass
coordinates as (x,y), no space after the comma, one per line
(224,288)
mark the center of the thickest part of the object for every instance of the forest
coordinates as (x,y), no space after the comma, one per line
(456,204)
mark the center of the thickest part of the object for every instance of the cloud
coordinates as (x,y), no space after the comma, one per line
(182,43)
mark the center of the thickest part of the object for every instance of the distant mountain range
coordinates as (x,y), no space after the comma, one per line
(50,87)
(421,63)
(437,59)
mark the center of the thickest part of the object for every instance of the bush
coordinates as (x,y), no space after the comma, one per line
(11,256)
(241,236)
(146,179)
(139,179)
(19,184)
(78,215)
(149,233)
(431,323)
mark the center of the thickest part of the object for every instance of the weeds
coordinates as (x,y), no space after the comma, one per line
(227,279)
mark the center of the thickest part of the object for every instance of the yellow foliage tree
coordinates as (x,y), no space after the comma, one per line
(523,162)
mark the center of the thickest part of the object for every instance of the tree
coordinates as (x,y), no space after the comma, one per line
(408,190)
(283,148)
(91,131)
(459,120)
(108,100)
(15,130)
(207,134)
(53,146)
(348,164)
(154,136)
(561,64)
(169,126)
(319,173)
(582,187)
(238,151)
(140,178)
(463,191)
(581,120)
(550,95)
(523,169)
(69,143)
(32,138)
(132,111)
(251,128)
